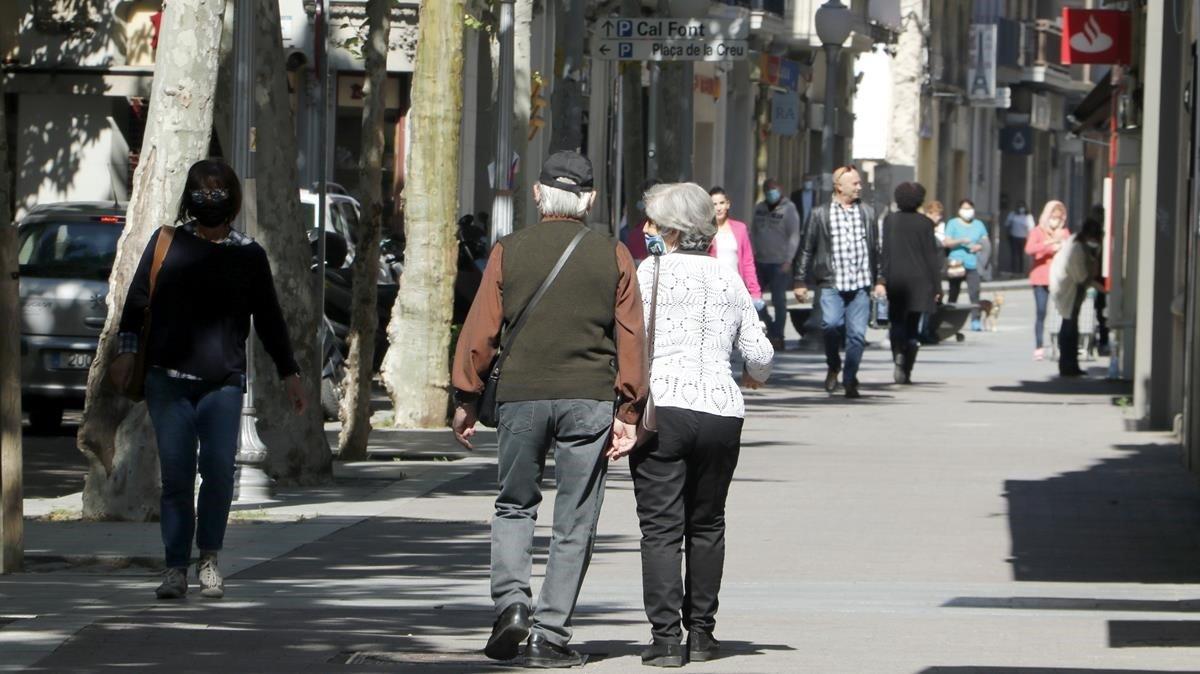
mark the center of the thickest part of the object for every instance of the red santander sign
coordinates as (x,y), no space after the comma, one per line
(1099,36)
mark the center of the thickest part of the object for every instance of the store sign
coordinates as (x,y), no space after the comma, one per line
(710,86)
(981,68)
(1016,140)
(785,113)
(780,72)
(1096,36)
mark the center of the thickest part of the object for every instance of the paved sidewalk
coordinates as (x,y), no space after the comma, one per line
(989,519)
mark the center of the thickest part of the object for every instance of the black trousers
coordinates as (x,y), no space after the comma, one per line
(681,479)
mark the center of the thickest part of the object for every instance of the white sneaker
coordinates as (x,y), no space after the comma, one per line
(212,585)
(174,584)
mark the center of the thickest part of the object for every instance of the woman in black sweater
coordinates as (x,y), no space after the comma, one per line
(210,283)
(911,263)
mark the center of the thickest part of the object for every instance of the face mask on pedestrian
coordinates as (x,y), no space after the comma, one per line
(967,214)
(641,206)
(656,245)
(210,208)
(774,196)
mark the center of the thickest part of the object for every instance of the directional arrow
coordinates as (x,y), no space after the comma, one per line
(605,49)
(608,27)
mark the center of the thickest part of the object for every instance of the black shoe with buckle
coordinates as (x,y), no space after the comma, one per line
(541,654)
(702,646)
(852,390)
(509,631)
(663,654)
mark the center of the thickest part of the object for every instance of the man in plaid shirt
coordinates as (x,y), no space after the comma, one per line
(841,253)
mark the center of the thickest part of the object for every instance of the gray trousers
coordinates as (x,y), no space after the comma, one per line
(577,431)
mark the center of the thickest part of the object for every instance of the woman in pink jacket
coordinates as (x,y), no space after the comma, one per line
(1043,243)
(731,246)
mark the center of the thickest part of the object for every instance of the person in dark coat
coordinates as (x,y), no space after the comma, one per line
(911,261)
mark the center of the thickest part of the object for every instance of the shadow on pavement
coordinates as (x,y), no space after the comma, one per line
(1069,386)
(1153,634)
(1048,671)
(53,465)
(1132,519)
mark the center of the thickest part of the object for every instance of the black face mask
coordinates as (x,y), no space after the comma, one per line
(210,215)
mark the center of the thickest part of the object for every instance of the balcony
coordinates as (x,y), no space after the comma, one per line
(1030,53)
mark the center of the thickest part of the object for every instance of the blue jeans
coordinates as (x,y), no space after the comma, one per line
(1041,296)
(186,414)
(845,313)
(776,278)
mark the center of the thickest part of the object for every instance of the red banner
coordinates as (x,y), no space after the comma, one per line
(1096,36)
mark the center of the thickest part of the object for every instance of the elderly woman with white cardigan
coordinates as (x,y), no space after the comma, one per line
(701,312)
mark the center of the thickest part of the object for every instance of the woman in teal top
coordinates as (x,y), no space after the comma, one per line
(964,239)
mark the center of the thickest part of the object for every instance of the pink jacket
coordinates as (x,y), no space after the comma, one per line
(746,268)
(1040,246)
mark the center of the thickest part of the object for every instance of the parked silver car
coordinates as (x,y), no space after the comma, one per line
(66,252)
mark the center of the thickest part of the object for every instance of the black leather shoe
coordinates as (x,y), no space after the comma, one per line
(702,646)
(663,654)
(899,371)
(852,390)
(541,654)
(510,630)
(831,379)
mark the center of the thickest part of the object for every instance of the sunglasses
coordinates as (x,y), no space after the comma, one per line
(208,196)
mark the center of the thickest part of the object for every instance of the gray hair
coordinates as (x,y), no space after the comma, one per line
(686,208)
(555,203)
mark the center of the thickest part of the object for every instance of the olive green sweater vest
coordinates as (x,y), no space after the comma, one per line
(566,349)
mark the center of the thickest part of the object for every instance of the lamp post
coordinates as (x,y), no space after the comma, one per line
(502,202)
(834,21)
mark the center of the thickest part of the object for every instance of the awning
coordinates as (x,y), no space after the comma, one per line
(1095,108)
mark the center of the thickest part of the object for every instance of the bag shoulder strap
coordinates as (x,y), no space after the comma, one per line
(541,291)
(653,315)
(165,236)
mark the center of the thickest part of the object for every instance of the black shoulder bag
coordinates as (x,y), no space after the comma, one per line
(488,409)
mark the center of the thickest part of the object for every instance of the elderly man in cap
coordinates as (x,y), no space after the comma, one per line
(574,380)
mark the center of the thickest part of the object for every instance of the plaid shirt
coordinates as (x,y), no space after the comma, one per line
(851,257)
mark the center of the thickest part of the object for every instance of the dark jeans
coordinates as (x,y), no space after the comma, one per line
(845,313)
(1041,297)
(904,333)
(681,480)
(1016,254)
(185,413)
(1068,336)
(778,279)
(972,279)
(577,431)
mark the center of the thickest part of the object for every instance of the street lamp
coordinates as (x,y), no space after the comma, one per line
(834,21)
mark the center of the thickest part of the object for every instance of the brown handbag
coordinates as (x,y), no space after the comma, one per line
(136,390)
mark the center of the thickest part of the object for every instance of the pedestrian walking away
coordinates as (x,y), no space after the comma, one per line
(966,237)
(1044,243)
(1074,270)
(202,286)
(911,264)
(732,247)
(579,347)
(841,254)
(775,234)
(1018,224)
(700,311)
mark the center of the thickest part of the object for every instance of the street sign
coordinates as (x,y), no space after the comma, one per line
(674,29)
(637,39)
(671,50)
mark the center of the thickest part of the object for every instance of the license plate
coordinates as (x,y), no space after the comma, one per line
(71,360)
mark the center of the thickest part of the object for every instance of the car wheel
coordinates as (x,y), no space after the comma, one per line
(46,418)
